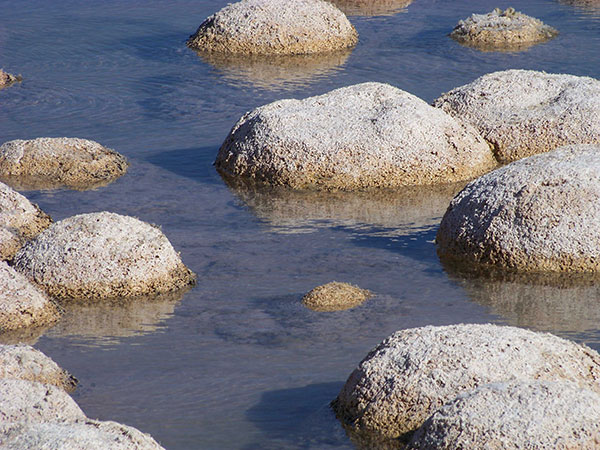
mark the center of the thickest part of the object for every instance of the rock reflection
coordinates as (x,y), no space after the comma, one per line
(591,7)
(29,335)
(35,183)
(371,8)
(276,72)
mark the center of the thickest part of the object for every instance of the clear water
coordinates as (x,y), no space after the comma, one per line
(237,362)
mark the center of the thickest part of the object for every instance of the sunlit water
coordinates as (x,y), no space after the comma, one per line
(238,362)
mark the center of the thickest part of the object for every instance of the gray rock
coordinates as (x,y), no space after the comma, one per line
(414,372)
(275,27)
(517,415)
(6,79)
(335,296)
(524,112)
(539,214)
(361,136)
(102,255)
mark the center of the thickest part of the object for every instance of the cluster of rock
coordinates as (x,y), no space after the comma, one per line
(6,79)
(453,384)
(335,296)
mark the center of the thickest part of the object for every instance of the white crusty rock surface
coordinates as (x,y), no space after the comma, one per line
(102,255)
(19,220)
(361,136)
(513,416)
(53,162)
(502,30)
(21,303)
(524,112)
(414,372)
(539,214)
(335,296)
(275,27)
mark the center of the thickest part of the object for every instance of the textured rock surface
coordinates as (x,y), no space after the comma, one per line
(525,415)
(413,372)
(21,303)
(539,214)
(19,220)
(275,27)
(335,296)
(26,363)
(102,255)
(371,7)
(524,112)
(45,163)
(7,79)
(502,30)
(361,136)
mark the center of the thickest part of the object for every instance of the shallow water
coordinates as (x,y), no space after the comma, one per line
(237,362)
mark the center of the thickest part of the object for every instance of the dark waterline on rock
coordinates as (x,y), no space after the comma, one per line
(238,362)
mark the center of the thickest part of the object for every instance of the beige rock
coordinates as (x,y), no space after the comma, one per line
(6,79)
(413,372)
(499,30)
(277,27)
(47,163)
(539,214)
(357,137)
(524,112)
(370,8)
(516,415)
(335,296)
(102,255)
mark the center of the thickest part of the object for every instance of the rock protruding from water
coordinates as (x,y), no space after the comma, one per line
(539,214)
(362,136)
(414,372)
(6,79)
(20,220)
(524,112)
(335,296)
(502,30)
(275,27)
(102,255)
(517,415)
(46,163)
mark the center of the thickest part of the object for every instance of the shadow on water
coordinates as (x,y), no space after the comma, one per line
(195,163)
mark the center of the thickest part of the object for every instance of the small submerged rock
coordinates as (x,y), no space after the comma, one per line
(335,296)
(102,255)
(516,415)
(276,27)
(362,136)
(502,30)
(46,163)
(6,79)
(524,112)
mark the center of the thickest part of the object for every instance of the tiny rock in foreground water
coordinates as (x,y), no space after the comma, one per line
(335,296)
(6,79)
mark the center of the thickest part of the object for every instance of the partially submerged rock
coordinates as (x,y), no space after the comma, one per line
(524,112)
(20,220)
(362,136)
(370,8)
(46,163)
(102,255)
(413,372)
(276,27)
(539,214)
(6,79)
(502,30)
(516,415)
(335,296)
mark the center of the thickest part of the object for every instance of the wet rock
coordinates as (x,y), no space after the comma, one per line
(413,372)
(524,112)
(275,27)
(46,163)
(6,79)
(21,303)
(517,415)
(103,255)
(335,296)
(502,30)
(26,363)
(539,214)
(370,8)
(19,220)
(361,136)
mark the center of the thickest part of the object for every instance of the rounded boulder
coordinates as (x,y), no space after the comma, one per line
(335,296)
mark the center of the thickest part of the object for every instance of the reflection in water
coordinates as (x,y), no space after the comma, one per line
(276,72)
(399,211)
(371,7)
(591,7)
(29,335)
(36,183)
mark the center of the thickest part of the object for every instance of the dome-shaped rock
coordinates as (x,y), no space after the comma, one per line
(539,214)
(524,112)
(102,255)
(335,296)
(502,30)
(45,163)
(361,136)
(413,372)
(6,79)
(275,27)
(512,416)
